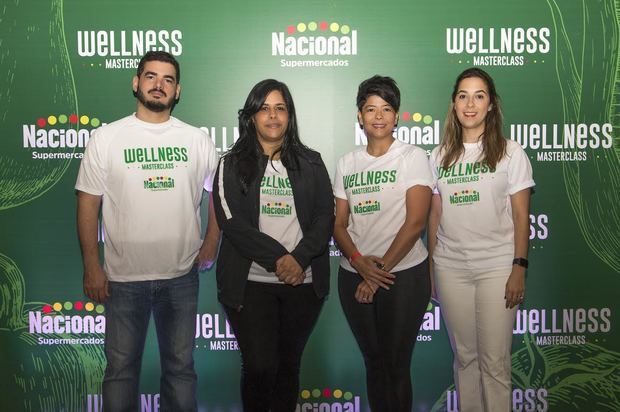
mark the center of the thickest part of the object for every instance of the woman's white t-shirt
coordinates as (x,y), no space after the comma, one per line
(375,188)
(476,229)
(277,218)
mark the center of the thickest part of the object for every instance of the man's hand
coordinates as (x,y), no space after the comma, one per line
(96,284)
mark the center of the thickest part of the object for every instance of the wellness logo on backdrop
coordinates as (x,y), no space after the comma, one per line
(213,332)
(498,46)
(149,402)
(68,323)
(563,326)
(312,44)
(223,137)
(523,400)
(56,136)
(564,142)
(122,49)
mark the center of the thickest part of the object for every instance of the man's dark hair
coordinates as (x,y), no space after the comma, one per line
(160,56)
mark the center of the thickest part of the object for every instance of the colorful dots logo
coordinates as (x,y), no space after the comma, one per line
(75,306)
(417,117)
(328,399)
(312,26)
(62,119)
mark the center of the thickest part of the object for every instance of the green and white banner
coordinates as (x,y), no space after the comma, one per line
(66,68)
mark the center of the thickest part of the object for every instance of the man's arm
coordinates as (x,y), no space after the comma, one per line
(95,279)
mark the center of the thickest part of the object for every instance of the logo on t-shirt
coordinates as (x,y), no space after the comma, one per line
(367,207)
(149,158)
(464,197)
(276,209)
(158,183)
(463,172)
(276,186)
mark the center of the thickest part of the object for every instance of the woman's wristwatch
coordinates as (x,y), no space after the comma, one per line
(521,262)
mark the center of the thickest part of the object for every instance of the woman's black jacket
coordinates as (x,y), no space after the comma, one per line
(242,242)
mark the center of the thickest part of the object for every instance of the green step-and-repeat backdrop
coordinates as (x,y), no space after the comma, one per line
(66,68)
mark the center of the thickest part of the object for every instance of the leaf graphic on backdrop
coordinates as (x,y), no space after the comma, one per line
(39,377)
(577,377)
(37,82)
(588,74)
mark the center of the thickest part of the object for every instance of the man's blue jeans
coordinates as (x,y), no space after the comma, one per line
(173,303)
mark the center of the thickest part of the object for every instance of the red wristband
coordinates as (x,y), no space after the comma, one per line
(354,256)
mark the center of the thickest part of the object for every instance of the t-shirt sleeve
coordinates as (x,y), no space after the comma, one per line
(519,171)
(417,170)
(432,161)
(92,174)
(338,183)
(212,159)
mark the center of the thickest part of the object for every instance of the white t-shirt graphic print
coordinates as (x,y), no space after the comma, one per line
(151,177)
(375,188)
(476,229)
(277,218)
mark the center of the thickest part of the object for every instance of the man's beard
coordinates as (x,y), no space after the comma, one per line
(154,105)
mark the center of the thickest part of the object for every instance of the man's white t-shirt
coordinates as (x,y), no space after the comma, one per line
(476,229)
(375,188)
(151,177)
(277,218)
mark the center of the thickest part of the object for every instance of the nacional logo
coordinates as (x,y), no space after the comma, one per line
(563,142)
(464,197)
(68,323)
(366,207)
(276,209)
(59,131)
(523,400)
(213,332)
(430,323)
(158,183)
(565,326)
(328,400)
(315,44)
(333,249)
(413,128)
(498,46)
(122,49)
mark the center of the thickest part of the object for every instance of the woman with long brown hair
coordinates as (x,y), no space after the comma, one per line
(478,240)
